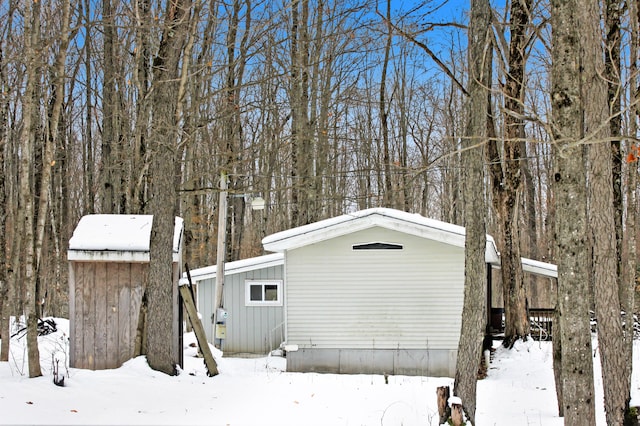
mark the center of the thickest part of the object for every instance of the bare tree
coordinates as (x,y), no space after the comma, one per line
(25,239)
(506,177)
(384,113)
(5,305)
(628,278)
(301,153)
(475,283)
(603,219)
(161,294)
(571,223)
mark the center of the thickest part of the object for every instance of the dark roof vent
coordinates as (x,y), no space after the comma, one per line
(377,246)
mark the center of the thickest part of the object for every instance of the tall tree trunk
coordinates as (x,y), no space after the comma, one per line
(50,143)
(88,196)
(301,149)
(629,275)
(139,162)
(5,302)
(603,219)
(387,194)
(25,202)
(232,158)
(506,179)
(569,180)
(110,107)
(475,282)
(161,291)
(611,73)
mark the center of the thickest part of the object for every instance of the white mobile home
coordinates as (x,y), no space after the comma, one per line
(376,291)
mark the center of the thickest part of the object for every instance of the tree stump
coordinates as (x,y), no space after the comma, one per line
(443,393)
(457,413)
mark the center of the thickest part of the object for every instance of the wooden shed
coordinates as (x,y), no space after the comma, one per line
(108,273)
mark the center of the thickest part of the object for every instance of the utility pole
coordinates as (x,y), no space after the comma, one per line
(221,246)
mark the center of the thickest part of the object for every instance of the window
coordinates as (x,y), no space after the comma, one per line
(377,246)
(263,293)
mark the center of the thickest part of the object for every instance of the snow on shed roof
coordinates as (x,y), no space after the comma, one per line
(238,266)
(409,223)
(114,237)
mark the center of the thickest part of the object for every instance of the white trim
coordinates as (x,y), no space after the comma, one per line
(263,283)
(539,268)
(408,223)
(535,267)
(239,266)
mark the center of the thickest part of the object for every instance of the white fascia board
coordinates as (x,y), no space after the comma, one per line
(539,268)
(536,267)
(238,266)
(407,223)
(113,256)
(108,256)
(336,227)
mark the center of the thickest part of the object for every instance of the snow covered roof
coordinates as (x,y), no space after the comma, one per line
(539,268)
(409,223)
(114,237)
(239,266)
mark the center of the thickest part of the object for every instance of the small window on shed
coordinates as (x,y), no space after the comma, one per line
(263,293)
(377,246)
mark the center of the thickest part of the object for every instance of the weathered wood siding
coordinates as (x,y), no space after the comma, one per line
(250,329)
(104,308)
(375,299)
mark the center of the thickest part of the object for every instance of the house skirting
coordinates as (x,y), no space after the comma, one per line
(407,362)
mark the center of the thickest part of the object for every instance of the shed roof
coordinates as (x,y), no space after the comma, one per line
(114,237)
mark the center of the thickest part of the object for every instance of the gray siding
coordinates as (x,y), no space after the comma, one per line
(250,329)
(338,298)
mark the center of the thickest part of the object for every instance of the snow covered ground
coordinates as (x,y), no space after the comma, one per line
(519,390)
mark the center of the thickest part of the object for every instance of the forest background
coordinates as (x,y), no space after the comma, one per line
(321,107)
(340,112)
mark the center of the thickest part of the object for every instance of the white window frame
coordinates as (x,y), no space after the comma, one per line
(263,283)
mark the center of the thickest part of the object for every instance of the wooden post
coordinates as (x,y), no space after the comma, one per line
(443,393)
(192,312)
